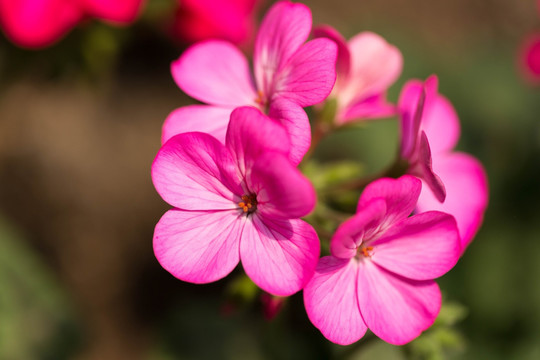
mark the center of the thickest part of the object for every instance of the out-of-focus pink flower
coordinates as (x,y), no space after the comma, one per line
(238,201)
(366,67)
(529,58)
(288,75)
(381,268)
(40,23)
(464,178)
(272,305)
(231,20)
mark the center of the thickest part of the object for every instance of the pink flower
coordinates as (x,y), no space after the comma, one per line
(231,20)
(288,75)
(40,23)
(464,178)
(366,67)
(241,200)
(529,58)
(381,268)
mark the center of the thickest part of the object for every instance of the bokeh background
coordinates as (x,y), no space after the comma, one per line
(80,124)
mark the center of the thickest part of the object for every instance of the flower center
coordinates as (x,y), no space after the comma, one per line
(366,251)
(260,99)
(248,203)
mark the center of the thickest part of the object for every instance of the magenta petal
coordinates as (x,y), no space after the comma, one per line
(283,30)
(423,169)
(343,62)
(198,246)
(209,119)
(400,195)
(466,193)
(529,58)
(119,11)
(215,72)
(251,133)
(194,171)
(279,255)
(310,74)
(362,225)
(422,247)
(282,191)
(396,309)
(440,123)
(373,107)
(410,106)
(331,301)
(296,123)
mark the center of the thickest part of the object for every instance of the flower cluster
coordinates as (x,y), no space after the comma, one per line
(231,168)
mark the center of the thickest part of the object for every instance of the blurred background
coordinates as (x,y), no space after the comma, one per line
(80,123)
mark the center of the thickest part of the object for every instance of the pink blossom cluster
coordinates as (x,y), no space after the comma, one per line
(40,23)
(231,169)
(529,55)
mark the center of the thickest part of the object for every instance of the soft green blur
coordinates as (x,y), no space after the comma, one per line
(80,124)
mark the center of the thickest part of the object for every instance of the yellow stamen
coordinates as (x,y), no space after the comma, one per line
(366,251)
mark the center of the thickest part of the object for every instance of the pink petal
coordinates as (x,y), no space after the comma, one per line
(283,30)
(198,246)
(343,62)
(466,193)
(375,65)
(373,107)
(282,191)
(350,235)
(279,255)
(400,196)
(331,300)
(193,171)
(529,58)
(422,167)
(209,119)
(411,107)
(396,309)
(441,124)
(252,133)
(38,23)
(215,72)
(119,11)
(422,247)
(296,123)
(310,74)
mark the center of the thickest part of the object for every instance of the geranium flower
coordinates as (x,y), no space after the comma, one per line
(238,201)
(529,58)
(381,268)
(463,176)
(217,73)
(231,20)
(40,23)
(366,67)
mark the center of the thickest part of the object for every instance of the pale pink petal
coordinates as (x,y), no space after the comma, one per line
(396,309)
(309,76)
(118,11)
(331,301)
(296,123)
(283,30)
(194,171)
(198,246)
(375,65)
(411,106)
(215,72)
(400,196)
(38,23)
(466,193)
(373,107)
(252,133)
(440,123)
(343,62)
(279,255)
(422,247)
(422,167)
(209,119)
(282,190)
(363,225)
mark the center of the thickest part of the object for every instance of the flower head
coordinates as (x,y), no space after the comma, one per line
(381,268)
(366,67)
(529,58)
(288,75)
(238,201)
(39,23)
